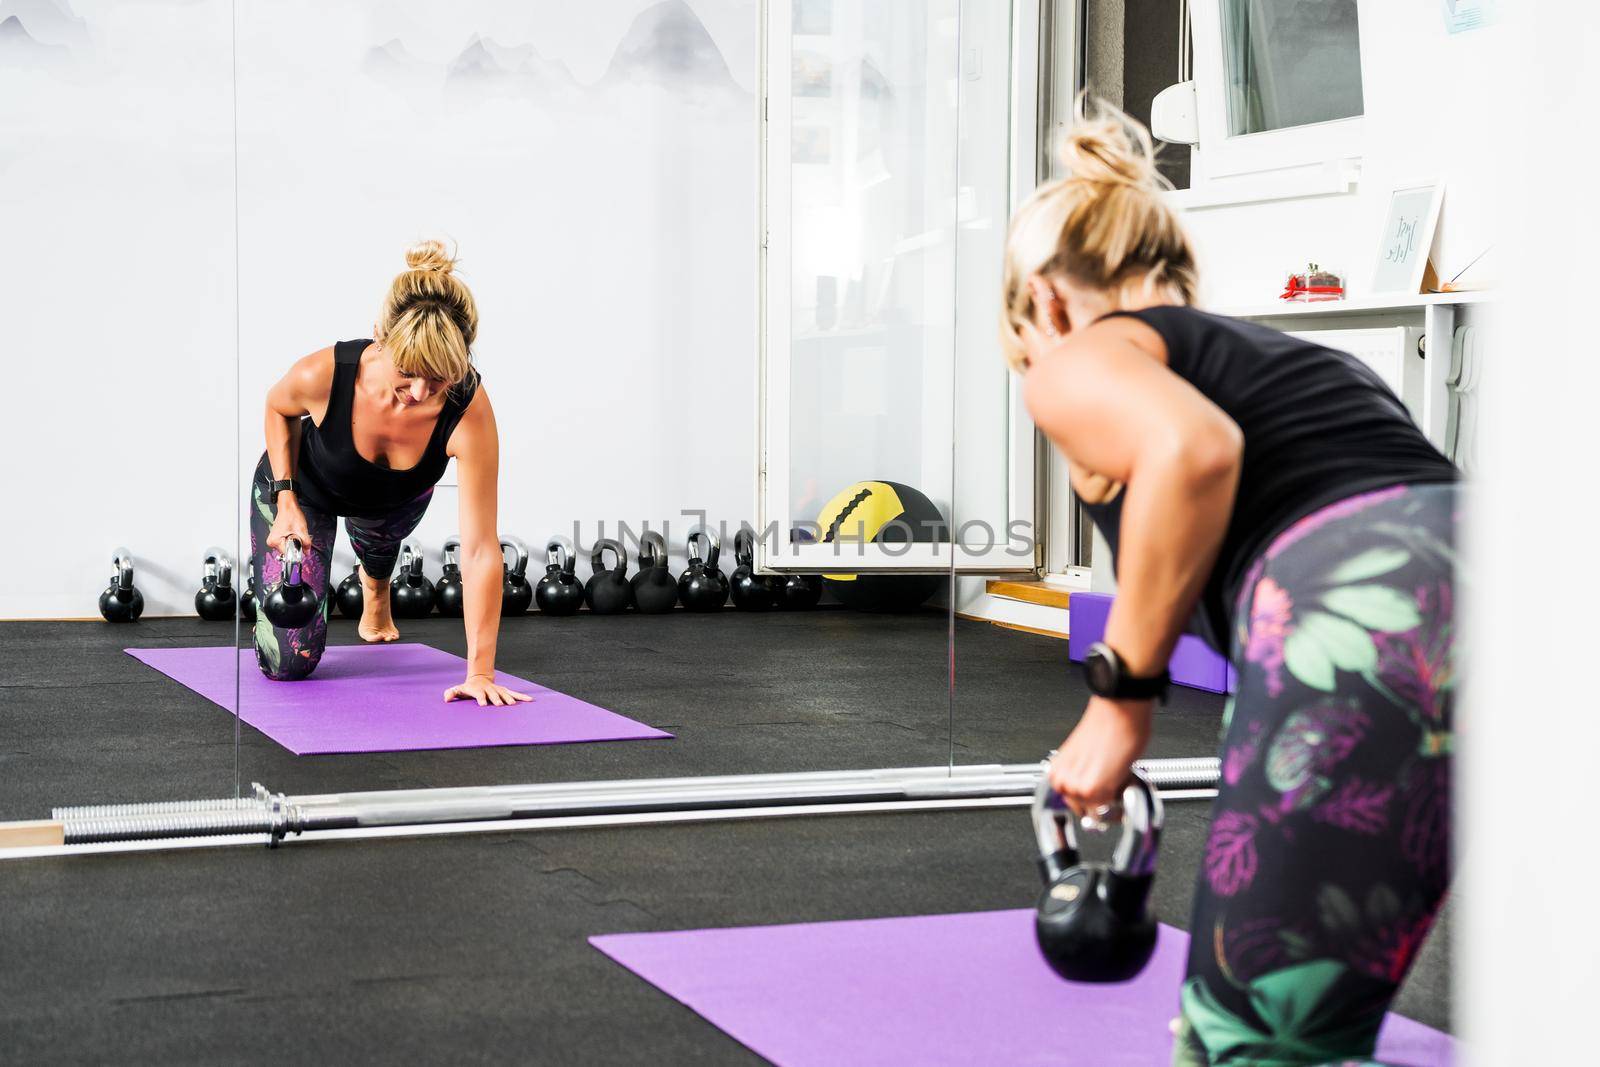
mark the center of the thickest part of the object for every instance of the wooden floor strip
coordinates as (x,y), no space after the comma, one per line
(1030,592)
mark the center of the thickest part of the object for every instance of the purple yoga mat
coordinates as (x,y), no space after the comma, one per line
(385,698)
(930,989)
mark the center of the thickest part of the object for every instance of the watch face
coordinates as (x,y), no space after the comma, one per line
(1100,669)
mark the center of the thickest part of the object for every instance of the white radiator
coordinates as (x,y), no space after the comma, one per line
(1391,351)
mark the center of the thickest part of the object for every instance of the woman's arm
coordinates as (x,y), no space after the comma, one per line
(303,389)
(475,444)
(1105,397)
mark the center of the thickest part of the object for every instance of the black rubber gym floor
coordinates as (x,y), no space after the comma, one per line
(471,948)
(824,690)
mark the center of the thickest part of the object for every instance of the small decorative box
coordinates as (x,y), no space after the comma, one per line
(1314,284)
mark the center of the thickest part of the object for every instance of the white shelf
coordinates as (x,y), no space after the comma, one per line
(1361,305)
(1436,314)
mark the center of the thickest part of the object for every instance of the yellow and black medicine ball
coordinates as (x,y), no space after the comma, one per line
(881,513)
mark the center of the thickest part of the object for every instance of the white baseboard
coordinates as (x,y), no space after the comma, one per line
(1018,613)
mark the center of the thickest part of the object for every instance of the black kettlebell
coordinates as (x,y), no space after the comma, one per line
(654,590)
(702,586)
(448,592)
(799,591)
(796,592)
(350,596)
(121,601)
(247,599)
(559,592)
(518,594)
(292,604)
(410,591)
(751,591)
(216,601)
(1094,922)
(608,591)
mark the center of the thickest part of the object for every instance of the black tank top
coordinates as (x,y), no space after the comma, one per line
(338,480)
(1319,425)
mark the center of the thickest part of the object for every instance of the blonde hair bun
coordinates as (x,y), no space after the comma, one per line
(1108,148)
(429,319)
(430,255)
(1104,225)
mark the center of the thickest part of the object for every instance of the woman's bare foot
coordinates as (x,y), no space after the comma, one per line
(377,623)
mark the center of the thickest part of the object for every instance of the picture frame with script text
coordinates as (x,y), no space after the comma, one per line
(1408,230)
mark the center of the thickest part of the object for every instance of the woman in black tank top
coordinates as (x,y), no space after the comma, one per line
(364,430)
(1275,496)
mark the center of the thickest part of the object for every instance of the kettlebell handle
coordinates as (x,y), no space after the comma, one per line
(411,563)
(701,532)
(218,565)
(1056,829)
(599,552)
(652,550)
(744,547)
(1052,827)
(122,570)
(291,555)
(451,555)
(558,554)
(519,554)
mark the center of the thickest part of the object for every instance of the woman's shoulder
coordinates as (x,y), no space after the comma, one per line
(474,418)
(313,374)
(1191,331)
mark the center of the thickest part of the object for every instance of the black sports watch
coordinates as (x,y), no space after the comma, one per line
(1108,677)
(284,485)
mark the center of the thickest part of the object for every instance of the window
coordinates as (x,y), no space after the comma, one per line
(1278,83)
(1290,63)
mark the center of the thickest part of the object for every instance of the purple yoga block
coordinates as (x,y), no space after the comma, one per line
(1193,664)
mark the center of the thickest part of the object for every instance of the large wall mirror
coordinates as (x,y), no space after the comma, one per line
(605,180)
(116,205)
(731,282)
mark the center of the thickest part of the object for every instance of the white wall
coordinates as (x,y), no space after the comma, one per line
(116,299)
(1427,97)
(596,163)
(601,181)
(1529,973)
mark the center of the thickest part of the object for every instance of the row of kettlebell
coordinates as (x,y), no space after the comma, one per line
(652,591)
(413,596)
(702,586)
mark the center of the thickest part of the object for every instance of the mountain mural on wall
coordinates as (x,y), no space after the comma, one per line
(485,65)
(38,33)
(45,22)
(19,49)
(393,62)
(668,45)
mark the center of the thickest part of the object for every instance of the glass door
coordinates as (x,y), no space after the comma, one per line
(889,155)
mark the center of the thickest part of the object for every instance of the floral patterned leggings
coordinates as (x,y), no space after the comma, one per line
(1329,851)
(289,655)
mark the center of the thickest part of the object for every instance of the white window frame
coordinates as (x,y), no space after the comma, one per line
(1220,155)
(774,326)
